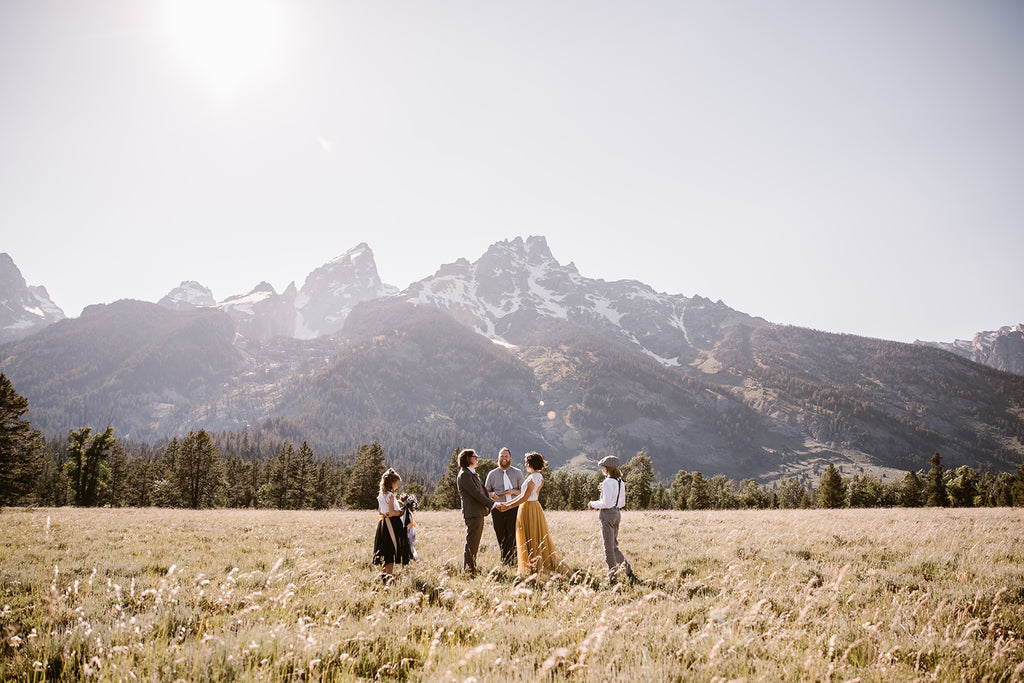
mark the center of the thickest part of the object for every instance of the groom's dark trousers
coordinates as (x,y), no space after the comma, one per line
(475,506)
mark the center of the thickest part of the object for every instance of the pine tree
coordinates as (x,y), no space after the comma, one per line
(936,491)
(638,476)
(963,487)
(831,490)
(20,447)
(139,483)
(1016,489)
(364,483)
(165,492)
(274,491)
(553,493)
(910,490)
(116,492)
(327,487)
(864,491)
(51,488)
(699,498)
(791,493)
(679,491)
(722,493)
(751,496)
(302,475)
(660,498)
(197,471)
(446,495)
(86,467)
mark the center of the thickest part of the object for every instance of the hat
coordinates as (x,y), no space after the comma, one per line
(608,461)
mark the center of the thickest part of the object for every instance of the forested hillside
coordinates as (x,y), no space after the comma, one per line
(888,401)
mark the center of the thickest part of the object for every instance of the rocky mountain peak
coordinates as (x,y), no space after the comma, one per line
(24,309)
(517,283)
(261,314)
(331,292)
(11,278)
(1002,349)
(189,294)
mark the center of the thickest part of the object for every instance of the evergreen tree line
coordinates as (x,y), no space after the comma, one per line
(203,471)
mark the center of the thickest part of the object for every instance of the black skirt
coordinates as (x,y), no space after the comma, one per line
(384,551)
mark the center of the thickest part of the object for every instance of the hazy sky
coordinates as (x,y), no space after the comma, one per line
(851,166)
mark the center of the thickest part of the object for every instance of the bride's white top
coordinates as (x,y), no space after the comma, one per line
(537,481)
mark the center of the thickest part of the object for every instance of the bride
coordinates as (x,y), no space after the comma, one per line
(534,546)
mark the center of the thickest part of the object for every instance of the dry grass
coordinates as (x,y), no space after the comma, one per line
(163,595)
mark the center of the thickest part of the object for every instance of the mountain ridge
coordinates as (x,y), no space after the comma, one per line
(517,349)
(1002,349)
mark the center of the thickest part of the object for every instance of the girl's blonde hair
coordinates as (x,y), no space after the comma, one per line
(387,481)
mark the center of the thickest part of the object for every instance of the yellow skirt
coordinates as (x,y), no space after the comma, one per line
(534,546)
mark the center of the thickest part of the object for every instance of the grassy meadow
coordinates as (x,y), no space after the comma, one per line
(815,595)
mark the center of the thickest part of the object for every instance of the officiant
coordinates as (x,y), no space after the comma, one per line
(503,484)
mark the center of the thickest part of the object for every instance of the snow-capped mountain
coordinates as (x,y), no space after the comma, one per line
(262,313)
(517,282)
(23,309)
(189,294)
(1002,349)
(320,308)
(332,290)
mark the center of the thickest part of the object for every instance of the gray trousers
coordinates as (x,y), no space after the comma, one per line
(610,533)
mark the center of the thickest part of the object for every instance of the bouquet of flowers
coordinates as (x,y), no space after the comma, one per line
(407,502)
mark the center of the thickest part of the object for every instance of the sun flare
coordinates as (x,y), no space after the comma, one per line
(227,42)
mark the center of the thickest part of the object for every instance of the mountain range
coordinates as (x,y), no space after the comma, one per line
(1002,349)
(513,349)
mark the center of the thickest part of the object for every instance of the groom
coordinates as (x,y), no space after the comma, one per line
(475,506)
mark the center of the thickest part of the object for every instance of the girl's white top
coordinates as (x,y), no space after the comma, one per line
(537,481)
(612,495)
(386,503)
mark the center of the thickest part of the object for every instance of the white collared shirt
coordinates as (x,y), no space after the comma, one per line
(613,495)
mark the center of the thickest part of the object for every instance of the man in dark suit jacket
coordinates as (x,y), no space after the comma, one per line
(476,504)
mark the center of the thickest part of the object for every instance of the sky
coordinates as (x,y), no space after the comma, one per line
(853,166)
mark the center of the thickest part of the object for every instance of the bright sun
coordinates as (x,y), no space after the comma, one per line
(228,42)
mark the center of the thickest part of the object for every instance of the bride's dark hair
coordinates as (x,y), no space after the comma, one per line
(535,461)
